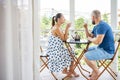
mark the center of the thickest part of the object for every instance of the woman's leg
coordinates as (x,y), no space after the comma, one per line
(69,74)
(72,68)
(65,71)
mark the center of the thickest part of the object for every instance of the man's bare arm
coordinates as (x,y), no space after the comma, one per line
(88,34)
(97,40)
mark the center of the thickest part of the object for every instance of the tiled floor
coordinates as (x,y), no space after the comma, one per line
(45,75)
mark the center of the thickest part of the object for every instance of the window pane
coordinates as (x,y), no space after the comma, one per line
(119,14)
(50,8)
(83,9)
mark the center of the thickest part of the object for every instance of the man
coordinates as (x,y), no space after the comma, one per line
(102,36)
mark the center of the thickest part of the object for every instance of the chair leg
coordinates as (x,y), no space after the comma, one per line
(112,71)
(101,63)
(109,71)
(105,68)
(48,68)
(43,66)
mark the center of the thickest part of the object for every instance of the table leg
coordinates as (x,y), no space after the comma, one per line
(75,60)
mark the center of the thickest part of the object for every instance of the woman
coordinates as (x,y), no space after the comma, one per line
(59,58)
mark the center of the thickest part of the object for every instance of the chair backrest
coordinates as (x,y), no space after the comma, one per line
(118,44)
(43,52)
(41,49)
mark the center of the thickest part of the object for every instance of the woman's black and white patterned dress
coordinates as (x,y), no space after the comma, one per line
(59,57)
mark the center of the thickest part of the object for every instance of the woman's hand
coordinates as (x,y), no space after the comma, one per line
(85,25)
(68,25)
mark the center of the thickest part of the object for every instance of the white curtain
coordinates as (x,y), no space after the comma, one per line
(19,58)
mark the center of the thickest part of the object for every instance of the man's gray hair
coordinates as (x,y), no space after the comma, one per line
(96,13)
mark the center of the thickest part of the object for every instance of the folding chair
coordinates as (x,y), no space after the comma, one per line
(106,64)
(44,59)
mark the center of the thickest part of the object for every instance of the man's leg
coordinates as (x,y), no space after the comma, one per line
(92,64)
(95,54)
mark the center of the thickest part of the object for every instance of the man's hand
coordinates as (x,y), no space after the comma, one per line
(86,31)
(90,38)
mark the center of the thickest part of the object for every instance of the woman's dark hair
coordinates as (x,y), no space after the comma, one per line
(55,18)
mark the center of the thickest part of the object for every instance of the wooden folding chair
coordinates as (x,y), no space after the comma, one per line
(44,59)
(106,64)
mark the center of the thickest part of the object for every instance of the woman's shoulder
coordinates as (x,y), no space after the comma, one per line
(55,29)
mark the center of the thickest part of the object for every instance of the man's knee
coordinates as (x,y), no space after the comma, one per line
(86,55)
(85,58)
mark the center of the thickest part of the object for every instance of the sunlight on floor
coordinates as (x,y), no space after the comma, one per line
(46,75)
